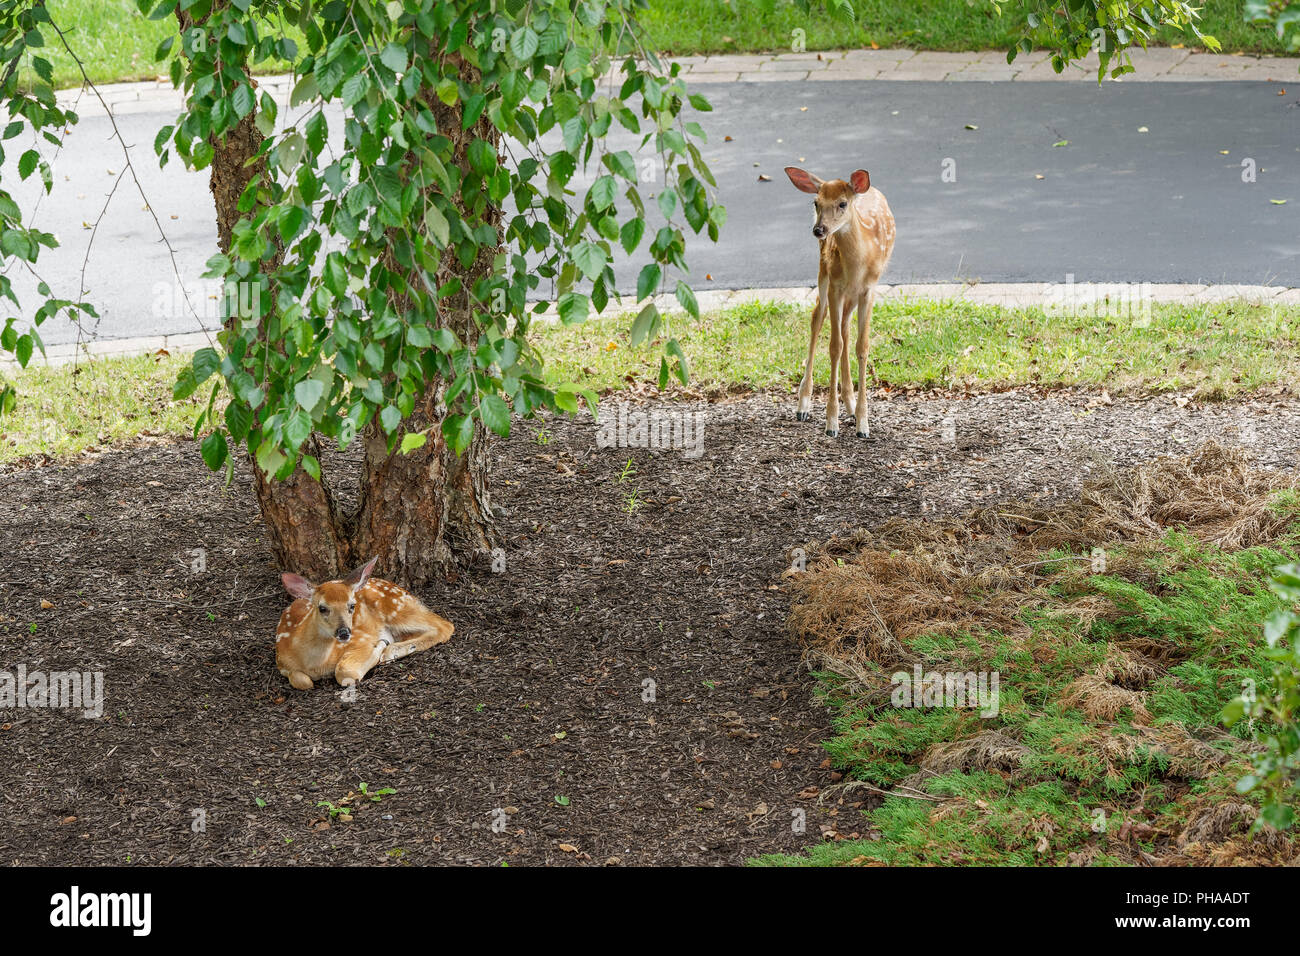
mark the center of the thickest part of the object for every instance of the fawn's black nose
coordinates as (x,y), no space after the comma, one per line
(343,633)
(819,231)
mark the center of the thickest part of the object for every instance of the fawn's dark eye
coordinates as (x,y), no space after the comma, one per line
(844,205)
(352,607)
(324,609)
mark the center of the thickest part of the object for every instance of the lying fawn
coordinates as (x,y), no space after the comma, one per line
(346,627)
(856,232)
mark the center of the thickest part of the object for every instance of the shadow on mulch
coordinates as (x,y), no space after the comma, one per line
(531,737)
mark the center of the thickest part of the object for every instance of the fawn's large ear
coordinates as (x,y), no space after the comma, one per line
(359,576)
(804,182)
(860,180)
(297,585)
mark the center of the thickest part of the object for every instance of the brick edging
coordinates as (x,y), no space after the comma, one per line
(1157,64)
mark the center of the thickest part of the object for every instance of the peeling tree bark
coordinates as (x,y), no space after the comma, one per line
(422,511)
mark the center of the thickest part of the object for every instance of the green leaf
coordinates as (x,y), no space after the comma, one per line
(394,57)
(524,43)
(297,429)
(355,89)
(214,451)
(687,299)
(1276,626)
(458,430)
(622,163)
(644,325)
(435,223)
(648,281)
(683,370)
(23,349)
(242,103)
(291,221)
(336,276)
(573,308)
(668,203)
(590,258)
(495,414)
(160,141)
(630,235)
(390,418)
(238,420)
(603,193)
(448,90)
(482,157)
(308,393)
(305,91)
(413,440)
(206,361)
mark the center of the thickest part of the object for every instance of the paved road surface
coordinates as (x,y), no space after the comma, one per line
(1116,204)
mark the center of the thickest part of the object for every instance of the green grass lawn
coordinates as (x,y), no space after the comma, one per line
(737,26)
(1078,768)
(1213,352)
(66,409)
(1096,642)
(117,43)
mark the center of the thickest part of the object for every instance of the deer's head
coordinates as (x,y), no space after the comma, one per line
(330,606)
(833,197)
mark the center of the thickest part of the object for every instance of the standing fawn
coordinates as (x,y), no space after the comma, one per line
(346,627)
(856,232)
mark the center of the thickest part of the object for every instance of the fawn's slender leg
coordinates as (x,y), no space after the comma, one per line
(846,373)
(425,629)
(837,346)
(863,346)
(357,661)
(417,642)
(806,384)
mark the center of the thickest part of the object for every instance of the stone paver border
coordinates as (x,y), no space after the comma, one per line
(1157,64)
(1007,294)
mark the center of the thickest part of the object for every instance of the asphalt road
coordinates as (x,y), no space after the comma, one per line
(1115,204)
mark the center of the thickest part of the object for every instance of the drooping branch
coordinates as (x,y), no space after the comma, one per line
(307,528)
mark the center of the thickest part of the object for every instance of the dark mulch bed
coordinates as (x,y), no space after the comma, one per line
(539,695)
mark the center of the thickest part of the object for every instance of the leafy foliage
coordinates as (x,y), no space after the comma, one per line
(33,113)
(356,259)
(1080,783)
(1076,27)
(1283,14)
(1276,773)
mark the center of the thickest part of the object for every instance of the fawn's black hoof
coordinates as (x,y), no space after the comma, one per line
(862,433)
(801,416)
(832,432)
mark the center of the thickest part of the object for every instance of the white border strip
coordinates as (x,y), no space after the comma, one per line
(1005,294)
